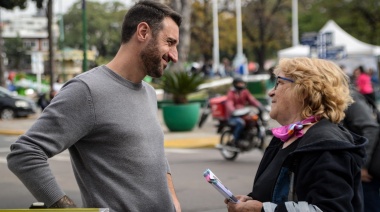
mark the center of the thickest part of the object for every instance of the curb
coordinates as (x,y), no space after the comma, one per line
(12,132)
(188,143)
(192,143)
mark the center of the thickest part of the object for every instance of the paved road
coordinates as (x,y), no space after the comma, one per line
(187,165)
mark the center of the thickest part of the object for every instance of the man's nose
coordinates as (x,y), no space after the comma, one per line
(173,55)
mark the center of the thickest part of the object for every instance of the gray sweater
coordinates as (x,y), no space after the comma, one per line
(115,141)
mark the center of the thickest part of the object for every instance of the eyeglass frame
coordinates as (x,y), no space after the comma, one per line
(282,78)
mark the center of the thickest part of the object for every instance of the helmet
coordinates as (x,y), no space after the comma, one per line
(236,82)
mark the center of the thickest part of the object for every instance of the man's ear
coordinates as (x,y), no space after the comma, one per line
(143,31)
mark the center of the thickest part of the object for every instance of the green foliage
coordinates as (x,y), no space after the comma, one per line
(16,53)
(266,28)
(359,18)
(103,26)
(180,84)
(201,31)
(22,4)
(11,4)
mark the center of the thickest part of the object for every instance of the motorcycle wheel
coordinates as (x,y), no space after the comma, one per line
(226,140)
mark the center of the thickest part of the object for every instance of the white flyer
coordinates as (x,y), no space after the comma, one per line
(217,184)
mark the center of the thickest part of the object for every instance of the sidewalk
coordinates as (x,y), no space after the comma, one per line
(205,137)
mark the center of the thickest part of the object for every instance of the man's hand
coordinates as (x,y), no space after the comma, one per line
(64,202)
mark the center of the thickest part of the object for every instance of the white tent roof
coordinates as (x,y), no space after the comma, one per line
(342,38)
(353,46)
(295,51)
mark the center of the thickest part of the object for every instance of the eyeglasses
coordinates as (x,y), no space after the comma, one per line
(282,78)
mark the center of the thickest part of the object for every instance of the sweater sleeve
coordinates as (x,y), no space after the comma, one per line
(68,118)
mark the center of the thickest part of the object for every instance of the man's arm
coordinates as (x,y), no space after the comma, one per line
(68,118)
(172,191)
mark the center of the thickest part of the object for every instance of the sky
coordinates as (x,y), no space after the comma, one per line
(60,6)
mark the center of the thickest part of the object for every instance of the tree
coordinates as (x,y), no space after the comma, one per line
(201,31)
(266,28)
(10,5)
(16,53)
(103,27)
(359,18)
(184,8)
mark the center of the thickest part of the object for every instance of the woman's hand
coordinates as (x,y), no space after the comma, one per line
(241,198)
(246,206)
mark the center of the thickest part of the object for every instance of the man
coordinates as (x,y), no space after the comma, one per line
(360,120)
(107,118)
(239,97)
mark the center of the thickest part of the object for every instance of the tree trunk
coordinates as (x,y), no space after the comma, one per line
(183,7)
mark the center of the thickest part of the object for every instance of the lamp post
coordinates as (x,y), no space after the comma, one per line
(240,61)
(51,47)
(295,22)
(84,33)
(2,68)
(216,36)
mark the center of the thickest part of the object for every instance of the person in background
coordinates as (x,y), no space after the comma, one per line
(360,120)
(107,119)
(364,85)
(312,163)
(239,97)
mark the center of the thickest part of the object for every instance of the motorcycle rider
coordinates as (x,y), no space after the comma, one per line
(239,97)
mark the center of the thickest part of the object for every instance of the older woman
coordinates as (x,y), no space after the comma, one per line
(312,163)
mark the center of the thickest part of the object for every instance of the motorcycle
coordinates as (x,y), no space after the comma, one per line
(253,135)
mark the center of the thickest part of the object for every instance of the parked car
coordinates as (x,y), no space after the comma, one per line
(13,105)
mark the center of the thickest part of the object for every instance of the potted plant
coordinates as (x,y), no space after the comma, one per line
(180,115)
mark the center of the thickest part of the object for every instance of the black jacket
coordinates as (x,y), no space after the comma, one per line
(360,120)
(325,168)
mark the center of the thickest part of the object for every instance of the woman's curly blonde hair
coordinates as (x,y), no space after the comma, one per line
(321,85)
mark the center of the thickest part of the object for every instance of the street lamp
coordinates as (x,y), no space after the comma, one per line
(240,61)
(84,33)
(295,22)
(2,68)
(216,36)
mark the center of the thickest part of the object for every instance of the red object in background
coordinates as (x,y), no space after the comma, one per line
(11,75)
(252,67)
(218,108)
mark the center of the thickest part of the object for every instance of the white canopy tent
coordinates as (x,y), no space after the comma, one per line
(295,51)
(353,46)
(357,52)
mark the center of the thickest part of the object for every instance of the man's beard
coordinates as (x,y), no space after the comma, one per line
(151,59)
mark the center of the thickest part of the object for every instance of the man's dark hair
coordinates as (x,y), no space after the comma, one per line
(151,12)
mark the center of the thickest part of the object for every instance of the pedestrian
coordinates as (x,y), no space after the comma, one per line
(360,120)
(107,119)
(364,85)
(312,163)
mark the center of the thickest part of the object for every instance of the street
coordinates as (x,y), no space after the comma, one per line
(187,166)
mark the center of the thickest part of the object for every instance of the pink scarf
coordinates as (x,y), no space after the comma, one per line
(286,132)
